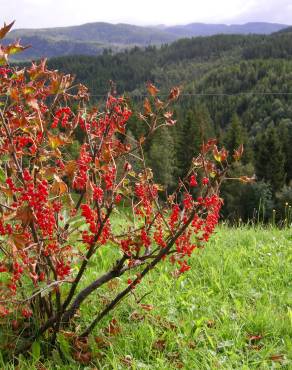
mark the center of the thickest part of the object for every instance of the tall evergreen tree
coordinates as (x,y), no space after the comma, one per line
(236,135)
(190,143)
(162,158)
(285,132)
(270,161)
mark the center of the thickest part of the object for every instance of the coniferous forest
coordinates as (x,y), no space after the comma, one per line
(236,88)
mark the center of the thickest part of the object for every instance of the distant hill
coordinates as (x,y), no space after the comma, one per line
(93,38)
(100,32)
(285,30)
(202,29)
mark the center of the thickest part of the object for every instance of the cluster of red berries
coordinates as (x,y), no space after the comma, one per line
(80,179)
(63,115)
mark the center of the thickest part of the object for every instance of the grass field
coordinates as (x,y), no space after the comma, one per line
(232,310)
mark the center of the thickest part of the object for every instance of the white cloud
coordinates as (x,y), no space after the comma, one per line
(44,13)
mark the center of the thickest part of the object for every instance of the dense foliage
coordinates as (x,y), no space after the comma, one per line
(238,88)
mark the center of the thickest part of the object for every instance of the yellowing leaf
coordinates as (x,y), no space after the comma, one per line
(70,168)
(147,106)
(28,90)
(216,154)
(152,89)
(158,103)
(3,57)
(57,140)
(6,191)
(89,192)
(24,214)
(246,179)
(59,187)
(147,307)
(17,240)
(174,93)
(14,94)
(15,48)
(238,153)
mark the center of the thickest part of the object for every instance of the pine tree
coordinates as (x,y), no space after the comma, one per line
(270,161)
(236,135)
(196,127)
(162,158)
(191,142)
(285,132)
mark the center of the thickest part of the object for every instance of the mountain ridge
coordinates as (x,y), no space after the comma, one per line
(93,38)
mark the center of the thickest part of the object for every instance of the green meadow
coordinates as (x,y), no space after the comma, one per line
(232,310)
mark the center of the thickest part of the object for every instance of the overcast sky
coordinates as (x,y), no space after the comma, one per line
(51,13)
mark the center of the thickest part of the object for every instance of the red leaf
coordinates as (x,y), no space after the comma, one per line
(160,345)
(174,93)
(147,107)
(83,358)
(147,307)
(277,358)
(152,89)
(127,360)
(113,328)
(135,316)
(255,337)
(102,342)
(238,153)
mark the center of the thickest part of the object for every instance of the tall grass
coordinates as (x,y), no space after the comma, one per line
(232,310)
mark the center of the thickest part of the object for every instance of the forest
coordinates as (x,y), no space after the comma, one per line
(236,88)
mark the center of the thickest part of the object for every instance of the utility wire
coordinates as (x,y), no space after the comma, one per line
(248,93)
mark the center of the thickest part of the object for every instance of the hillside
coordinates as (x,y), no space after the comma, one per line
(181,62)
(93,38)
(201,29)
(284,30)
(237,88)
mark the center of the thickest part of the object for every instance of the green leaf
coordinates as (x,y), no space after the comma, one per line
(36,351)
(2,175)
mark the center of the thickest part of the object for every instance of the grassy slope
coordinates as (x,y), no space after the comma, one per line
(240,285)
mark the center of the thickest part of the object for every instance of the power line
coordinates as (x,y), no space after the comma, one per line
(247,93)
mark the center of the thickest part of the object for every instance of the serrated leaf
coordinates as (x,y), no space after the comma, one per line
(147,107)
(58,187)
(24,214)
(57,140)
(5,29)
(17,240)
(70,168)
(238,153)
(152,89)
(15,48)
(174,93)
